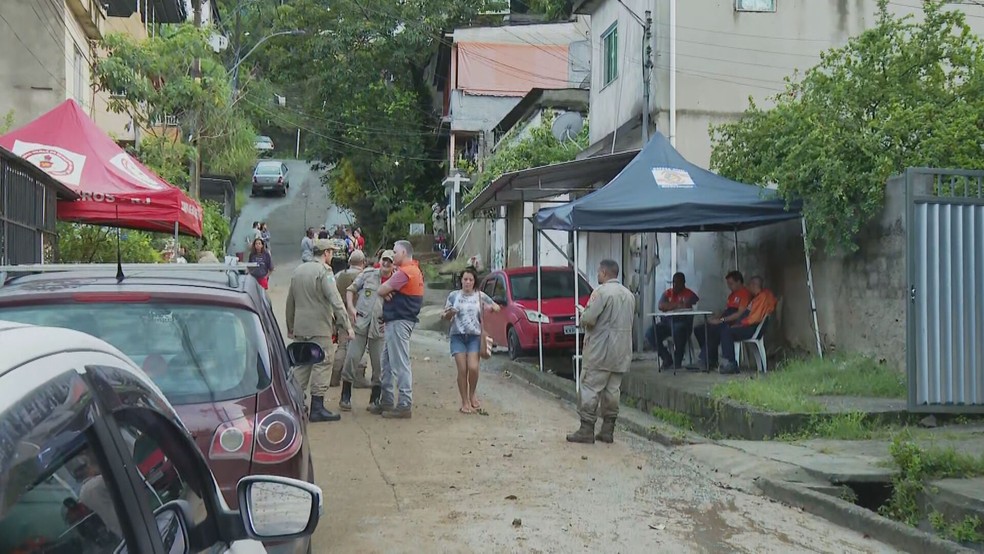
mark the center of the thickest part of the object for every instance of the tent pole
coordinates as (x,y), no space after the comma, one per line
(177,249)
(813,297)
(737,267)
(539,298)
(577,320)
(673,254)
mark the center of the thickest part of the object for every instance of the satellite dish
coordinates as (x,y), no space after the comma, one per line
(567,126)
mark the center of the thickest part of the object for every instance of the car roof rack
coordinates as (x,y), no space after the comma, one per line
(232,270)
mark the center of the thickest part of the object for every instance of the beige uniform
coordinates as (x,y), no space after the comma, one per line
(342,281)
(607,320)
(368,325)
(315,312)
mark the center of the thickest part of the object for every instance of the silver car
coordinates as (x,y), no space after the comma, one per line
(264,145)
(93,458)
(270,176)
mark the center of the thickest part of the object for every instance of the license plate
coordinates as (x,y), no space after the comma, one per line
(570,329)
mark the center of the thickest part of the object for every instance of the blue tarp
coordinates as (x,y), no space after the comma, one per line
(659,191)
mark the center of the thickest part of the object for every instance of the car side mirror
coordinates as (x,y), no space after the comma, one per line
(500,300)
(172,524)
(305,353)
(279,508)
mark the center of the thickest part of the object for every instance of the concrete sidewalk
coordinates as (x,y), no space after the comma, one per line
(814,475)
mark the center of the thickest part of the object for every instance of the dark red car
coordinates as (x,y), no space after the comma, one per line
(516,325)
(207,338)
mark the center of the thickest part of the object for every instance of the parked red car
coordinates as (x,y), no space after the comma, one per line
(516,325)
(208,339)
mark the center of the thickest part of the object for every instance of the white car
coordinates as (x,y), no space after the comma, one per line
(93,458)
(264,145)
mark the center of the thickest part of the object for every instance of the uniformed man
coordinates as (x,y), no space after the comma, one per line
(315,312)
(607,320)
(344,278)
(366,309)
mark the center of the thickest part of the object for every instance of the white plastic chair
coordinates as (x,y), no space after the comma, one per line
(758,340)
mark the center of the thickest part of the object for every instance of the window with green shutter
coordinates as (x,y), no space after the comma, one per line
(610,39)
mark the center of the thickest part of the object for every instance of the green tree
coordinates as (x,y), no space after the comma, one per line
(82,243)
(154,78)
(364,94)
(904,93)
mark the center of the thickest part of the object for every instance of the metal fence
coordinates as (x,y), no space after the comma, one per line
(945,264)
(27,217)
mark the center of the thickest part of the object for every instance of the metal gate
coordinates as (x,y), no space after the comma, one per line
(945,315)
(27,216)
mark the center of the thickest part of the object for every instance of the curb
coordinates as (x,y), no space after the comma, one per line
(630,419)
(858,519)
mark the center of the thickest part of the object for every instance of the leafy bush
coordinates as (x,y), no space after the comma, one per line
(398,223)
(80,243)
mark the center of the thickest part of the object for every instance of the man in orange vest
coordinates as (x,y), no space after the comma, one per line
(762,305)
(404,296)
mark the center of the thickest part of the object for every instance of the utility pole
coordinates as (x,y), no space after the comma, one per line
(195,185)
(647,64)
(238,47)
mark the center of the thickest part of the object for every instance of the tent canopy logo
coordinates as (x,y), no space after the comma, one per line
(128,165)
(672,178)
(64,165)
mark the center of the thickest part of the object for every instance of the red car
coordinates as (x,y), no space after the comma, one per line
(516,325)
(208,339)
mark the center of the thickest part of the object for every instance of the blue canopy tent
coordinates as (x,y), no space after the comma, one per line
(661,192)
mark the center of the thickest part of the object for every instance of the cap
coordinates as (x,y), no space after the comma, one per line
(387,254)
(323,245)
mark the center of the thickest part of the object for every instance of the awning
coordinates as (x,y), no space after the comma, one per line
(547,181)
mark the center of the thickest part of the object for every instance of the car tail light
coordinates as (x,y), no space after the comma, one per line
(280,180)
(254,179)
(278,437)
(275,434)
(232,440)
(103,297)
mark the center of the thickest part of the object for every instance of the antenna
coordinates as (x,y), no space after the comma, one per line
(119,250)
(567,125)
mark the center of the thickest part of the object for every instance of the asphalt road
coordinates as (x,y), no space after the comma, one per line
(306,205)
(508,481)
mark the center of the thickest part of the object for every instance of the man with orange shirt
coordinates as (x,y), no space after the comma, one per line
(403,296)
(762,305)
(677,297)
(738,300)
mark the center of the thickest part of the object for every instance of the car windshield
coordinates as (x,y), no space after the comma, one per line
(554,284)
(194,353)
(268,169)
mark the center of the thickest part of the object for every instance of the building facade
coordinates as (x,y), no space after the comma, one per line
(708,58)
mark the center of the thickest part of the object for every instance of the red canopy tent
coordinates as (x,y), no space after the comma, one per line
(115,188)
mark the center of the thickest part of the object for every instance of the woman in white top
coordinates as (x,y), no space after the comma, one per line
(465,308)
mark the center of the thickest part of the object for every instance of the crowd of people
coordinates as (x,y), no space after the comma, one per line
(373,305)
(349,306)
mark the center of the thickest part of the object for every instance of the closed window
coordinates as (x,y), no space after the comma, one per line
(755,5)
(80,76)
(610,41)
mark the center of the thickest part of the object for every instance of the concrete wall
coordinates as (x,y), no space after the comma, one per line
(32,59)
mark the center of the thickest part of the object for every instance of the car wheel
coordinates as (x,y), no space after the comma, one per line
(283,191)
(252,192)
(515,348)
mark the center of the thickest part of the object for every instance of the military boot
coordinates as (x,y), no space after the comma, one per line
(607,433)
(319,412)
(345,404)
(583,435)
(374,396)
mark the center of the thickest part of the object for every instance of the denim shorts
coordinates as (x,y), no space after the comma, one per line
(461,344)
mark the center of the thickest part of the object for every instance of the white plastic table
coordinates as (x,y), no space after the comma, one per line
(691,313)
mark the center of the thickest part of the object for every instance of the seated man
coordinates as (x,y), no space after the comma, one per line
(676,298)
(738,301)
(762,305)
